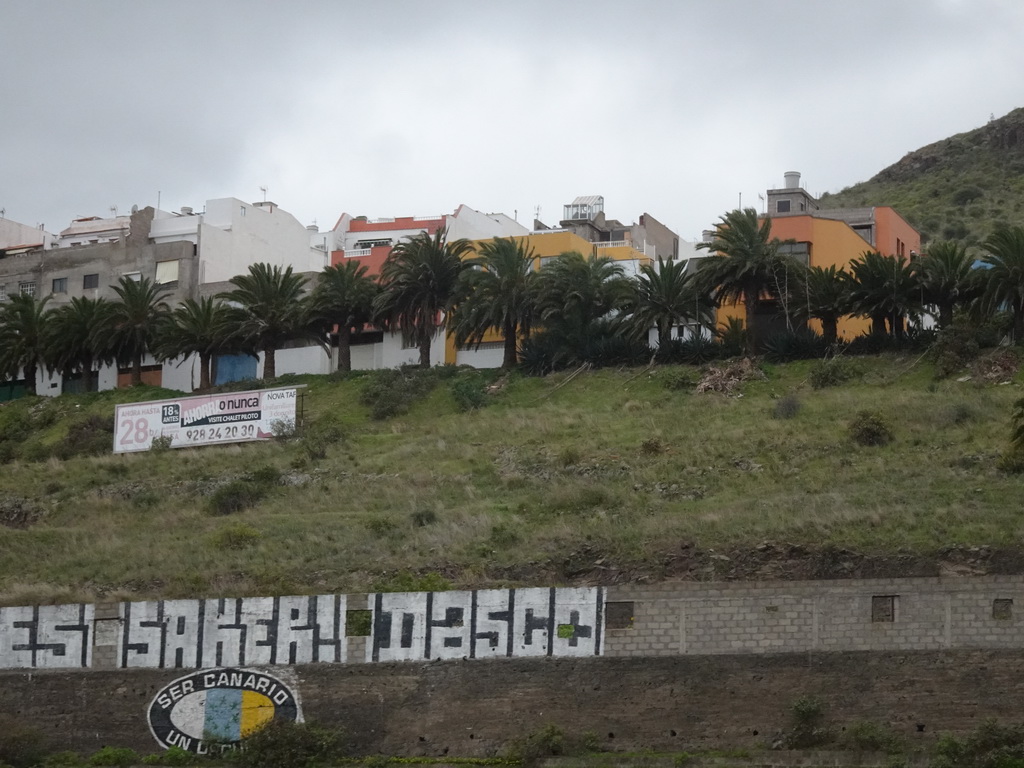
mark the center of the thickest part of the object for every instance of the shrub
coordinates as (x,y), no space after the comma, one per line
(174,756)
(867,736)
(869,428)
(678,381)
(393,392)
(115,756)
(991,745)
(808,727)
(236,536)
(424,517)
(236,496)
(732,337)
(469,390)
(161,444)
(954,347)
(91,436)
(831,373)
(794,345)
(284,743)
(786,407)
(548,741)
(21,745)
(318,437)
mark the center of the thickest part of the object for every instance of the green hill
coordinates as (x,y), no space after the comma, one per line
(960,188)
(602,477)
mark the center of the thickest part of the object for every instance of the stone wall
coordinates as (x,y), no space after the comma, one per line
(476,708)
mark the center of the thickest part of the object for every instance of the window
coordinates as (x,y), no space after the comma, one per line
(136,276)
(90,281)
(883,608)
(243,210)
(3,293)
(166,272)
(1002,608)
(619,615)
(28,289)
(60,285)
(782,206)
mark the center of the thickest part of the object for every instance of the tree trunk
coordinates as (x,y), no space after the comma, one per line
(136,370)
(878,325)
(830,329)
(510,358)
(269,363)
(87,374)
(344,349)
(425,340)
(945,315)
(1018,323)
(664,336)
(204,371)
(751,345)
(30,378)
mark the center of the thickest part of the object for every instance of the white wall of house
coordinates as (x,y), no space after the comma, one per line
(14,234)
(490,355)
(472,224)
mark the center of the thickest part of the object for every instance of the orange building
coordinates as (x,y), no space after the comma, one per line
(827,237)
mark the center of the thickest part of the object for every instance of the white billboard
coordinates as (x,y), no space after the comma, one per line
(232,417)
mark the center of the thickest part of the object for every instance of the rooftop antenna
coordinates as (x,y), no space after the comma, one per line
(113,210)
(264,191)
(536,212)
(3,212)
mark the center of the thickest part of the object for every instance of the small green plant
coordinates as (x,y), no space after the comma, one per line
(868,736)
(548,741)
(786,407)
(833,372)
(393,392)
(235,536)
(65,759)
(21,745)
(90,436)
(161,444)
(236,496)
(678,381)
(319,437)
(284,743)
(114,756)
(652,446)
(424,517)
(869,428)
(469,390)
(283,429)
(808,727)
(174,756)
(990,745)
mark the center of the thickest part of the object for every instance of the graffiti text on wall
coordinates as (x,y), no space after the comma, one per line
(264,631)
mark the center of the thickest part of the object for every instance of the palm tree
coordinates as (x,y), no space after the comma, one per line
(1005,278)
(574,292)
(946,278)
(667,296)
(884,289)
(76,341)
(23,338)
(746,266)
(272,309)
(496,293)
(131,324)
(825,296)
(343,299)
(201,328)
(419,285)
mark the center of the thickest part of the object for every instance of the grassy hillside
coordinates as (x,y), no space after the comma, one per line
(960,188)
(602,477)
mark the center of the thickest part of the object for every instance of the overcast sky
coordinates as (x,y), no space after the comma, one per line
(388,108)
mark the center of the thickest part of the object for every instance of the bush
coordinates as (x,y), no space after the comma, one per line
(21,745)
(954,348)
(549,741)
(318,437)
(678,381)
(866,736)
(236,496)
(786,407)
(174,756)
(469,390)
(869,428)
(91,436)
(831,373)
(284,743)
(794,345)
(115,756)
(732,337)
(808,727)
(236,536)
(393,392)
(991,745)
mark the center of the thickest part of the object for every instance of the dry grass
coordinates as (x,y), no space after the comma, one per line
(542,486)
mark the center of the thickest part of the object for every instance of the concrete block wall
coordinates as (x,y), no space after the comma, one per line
(785,617)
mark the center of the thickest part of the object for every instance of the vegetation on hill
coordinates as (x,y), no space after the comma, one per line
(961,188)
(449,477)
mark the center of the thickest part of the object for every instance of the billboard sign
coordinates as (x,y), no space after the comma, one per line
(233,417)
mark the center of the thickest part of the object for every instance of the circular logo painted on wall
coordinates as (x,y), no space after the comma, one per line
(214,709)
